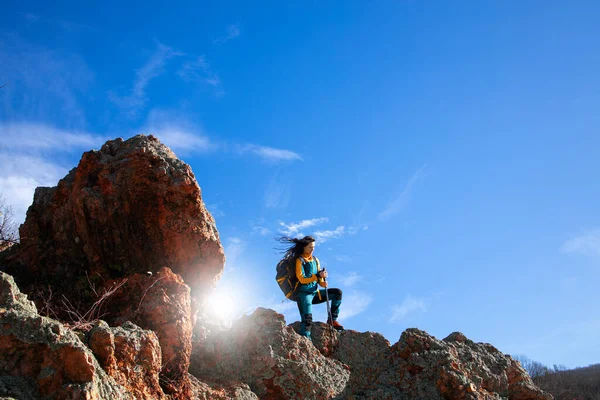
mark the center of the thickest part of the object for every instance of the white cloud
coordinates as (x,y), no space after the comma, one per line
(353,230)
(30,156)
(37,85)
(233,252)
(277,195)
(293,229)
(175,129)
(354,303)
(32,18)
(233,31)
(261,230)
(32,136)
(588,243)
(21,175)
(344,259)
(199,71)
(323,236)
(409,305)
(152,69)
(269,153)
(286,308)
(179,139)
(350,279)
(214,210)
(395,206)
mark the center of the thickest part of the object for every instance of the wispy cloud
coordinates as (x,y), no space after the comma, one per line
(31,155)
(233,251)
(34,136)
(587,243)
(21,175)
(73,27)
(155,66)
(32,18)
(277,194)
(323,236)
(353,230)
(355,302)
(350,279)
(180,139)
(408,306)
(344,259)
(294,229)
(38,86)
(288,308)
(175,129)
(396,205)
(261,230)
(214,210)
(63,24)
(199,71)
(233,31)
(182,134)
(268,153)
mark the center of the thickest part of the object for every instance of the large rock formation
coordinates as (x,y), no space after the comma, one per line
(124,236)
(131,207)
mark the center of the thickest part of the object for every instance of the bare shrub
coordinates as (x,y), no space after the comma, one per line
(9,232)
(86,321)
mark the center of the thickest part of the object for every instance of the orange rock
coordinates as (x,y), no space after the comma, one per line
(162,304)
(131,207)
(131,356)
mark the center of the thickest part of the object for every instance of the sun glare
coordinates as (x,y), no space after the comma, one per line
(222,306)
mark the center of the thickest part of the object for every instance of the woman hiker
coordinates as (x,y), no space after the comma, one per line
(310,277)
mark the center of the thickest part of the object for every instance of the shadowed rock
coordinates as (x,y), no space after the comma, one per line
(275,362)
(130,207)
(37,349)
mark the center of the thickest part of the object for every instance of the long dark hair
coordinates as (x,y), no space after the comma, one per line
(294,247)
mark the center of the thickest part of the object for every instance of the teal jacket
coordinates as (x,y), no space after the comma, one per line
(306,272)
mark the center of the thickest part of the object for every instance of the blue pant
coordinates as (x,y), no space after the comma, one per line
(306,300)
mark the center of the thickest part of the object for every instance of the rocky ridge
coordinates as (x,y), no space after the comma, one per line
(122,253)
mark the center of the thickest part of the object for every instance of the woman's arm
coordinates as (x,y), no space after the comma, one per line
(300,274)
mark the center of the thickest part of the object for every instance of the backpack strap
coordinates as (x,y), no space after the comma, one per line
(318,264)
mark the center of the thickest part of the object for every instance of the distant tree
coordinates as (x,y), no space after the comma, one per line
(534,368)
(9,232)
(580,383)
(560,367)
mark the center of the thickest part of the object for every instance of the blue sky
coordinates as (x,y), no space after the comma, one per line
(444,153)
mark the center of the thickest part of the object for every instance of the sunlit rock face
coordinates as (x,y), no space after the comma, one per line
(130,207)
(420,366)
(262,352)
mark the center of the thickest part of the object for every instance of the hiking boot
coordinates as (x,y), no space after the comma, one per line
(336,325)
